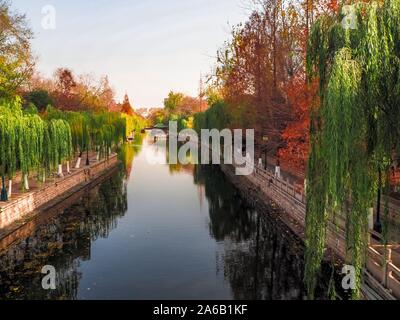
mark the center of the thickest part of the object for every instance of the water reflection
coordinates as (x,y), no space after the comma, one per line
(127,153)
(187,233)
(261,259)
(63,242)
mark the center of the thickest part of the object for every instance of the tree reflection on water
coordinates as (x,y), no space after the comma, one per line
(256,254)
(63,242)
(261,259)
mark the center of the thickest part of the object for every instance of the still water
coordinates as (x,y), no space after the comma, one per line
(155,232)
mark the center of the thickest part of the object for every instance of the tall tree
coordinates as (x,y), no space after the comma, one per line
(173,101)
(354,131)
(298,91)
(16,62)
(253,67)
(65,81)
(126,106)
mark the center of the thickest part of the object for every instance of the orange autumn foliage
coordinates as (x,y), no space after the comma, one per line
(333,5)
(296,134)
(302,96)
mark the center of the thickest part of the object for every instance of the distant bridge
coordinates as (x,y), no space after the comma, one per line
(159,126)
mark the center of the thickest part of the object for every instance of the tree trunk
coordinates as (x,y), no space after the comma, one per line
(4,196)
(274,53)
(10,182)
(87,157)
(378,224)
(60,171)
(26,182)
(78,162)
(68,169)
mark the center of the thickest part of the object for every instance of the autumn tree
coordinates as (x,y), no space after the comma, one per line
(65,81)
(69,91)
(157,116)
(94,94)
(254,66)
(126,106)
(64,89)
(299,93)
(173,100)
(16,62)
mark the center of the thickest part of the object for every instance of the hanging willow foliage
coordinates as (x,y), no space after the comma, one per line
(8,150)
(134,124)
(59,143)
(30,144)
(78,123)
(107,130)
(93,131)
(354,130)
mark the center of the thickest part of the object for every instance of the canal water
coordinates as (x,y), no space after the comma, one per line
(155,232)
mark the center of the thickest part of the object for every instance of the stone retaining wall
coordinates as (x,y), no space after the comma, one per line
(263,186)
(293,203)
(17,209)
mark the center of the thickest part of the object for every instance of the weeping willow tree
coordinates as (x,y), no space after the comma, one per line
(58,144)
(354,126)
(21,141)
(98,132)
(79,126)
(29,144)
(9,123)
(134,124)
(107,130)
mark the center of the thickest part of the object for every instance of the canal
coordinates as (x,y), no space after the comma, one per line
(155,232)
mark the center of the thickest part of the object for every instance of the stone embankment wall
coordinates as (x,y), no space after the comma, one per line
(17,209)
(382,274)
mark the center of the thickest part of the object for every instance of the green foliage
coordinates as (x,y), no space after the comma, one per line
(134,124)
(30,109)
(9,128)
(213,96)
(354,132)
(40,98)
(78,123)
(30,143)
(106,130)
(58,143)
(173,101)
(99,131)
(16,61)
(216,117)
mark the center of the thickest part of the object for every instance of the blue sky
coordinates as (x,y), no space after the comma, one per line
(146,47)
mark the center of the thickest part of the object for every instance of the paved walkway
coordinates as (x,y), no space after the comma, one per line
(34,184)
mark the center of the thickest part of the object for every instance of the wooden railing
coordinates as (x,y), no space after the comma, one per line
(382,261)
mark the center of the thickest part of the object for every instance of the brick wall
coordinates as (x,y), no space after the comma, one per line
(21,207)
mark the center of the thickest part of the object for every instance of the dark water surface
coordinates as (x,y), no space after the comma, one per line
(156,232)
